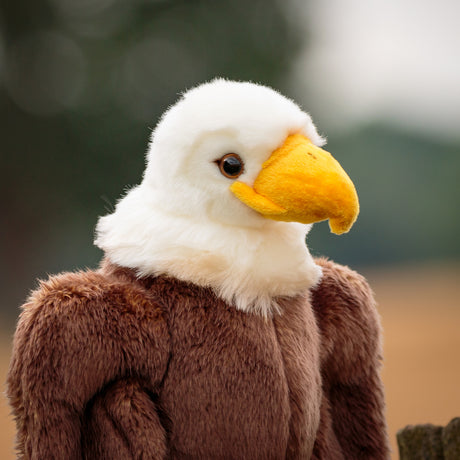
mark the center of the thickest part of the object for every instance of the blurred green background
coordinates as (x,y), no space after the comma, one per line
(82,83)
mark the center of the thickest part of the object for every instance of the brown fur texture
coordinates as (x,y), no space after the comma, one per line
(108,366)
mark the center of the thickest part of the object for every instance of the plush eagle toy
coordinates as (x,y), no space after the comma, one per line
(209,331)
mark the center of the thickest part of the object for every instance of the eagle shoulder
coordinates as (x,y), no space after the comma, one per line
(77,333)
(349,323)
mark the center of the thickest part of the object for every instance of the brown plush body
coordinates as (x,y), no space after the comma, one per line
(108,366)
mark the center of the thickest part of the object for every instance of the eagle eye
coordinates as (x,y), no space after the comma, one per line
(231,165)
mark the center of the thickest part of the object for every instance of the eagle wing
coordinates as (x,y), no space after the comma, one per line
(352,415)
(88,357)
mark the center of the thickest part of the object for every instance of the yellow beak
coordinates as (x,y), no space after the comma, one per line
(302,183)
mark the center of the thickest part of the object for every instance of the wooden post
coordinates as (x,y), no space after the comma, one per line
(430,442)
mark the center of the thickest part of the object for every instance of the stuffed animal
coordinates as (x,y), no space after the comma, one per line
(209,331)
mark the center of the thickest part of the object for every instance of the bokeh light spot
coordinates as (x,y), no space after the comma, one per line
(45,73)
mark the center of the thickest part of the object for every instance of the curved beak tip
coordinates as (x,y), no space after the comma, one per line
(340,224)
(339,227)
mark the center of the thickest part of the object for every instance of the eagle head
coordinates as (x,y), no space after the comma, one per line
(234,172)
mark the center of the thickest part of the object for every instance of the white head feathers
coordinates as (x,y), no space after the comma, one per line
(183,221)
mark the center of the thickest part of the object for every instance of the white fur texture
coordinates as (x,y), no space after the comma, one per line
(183,221)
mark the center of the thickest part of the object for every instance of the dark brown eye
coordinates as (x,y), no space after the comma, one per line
(231,165)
